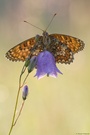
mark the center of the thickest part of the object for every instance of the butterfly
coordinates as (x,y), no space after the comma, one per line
(63,47)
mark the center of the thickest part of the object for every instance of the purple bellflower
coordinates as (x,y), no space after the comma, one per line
(46,65)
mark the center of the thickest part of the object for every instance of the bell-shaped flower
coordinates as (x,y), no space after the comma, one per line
(46,65)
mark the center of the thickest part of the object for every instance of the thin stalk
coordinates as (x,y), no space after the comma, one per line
(14,114)
(19,113)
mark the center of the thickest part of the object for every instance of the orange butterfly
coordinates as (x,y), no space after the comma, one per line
(63,47)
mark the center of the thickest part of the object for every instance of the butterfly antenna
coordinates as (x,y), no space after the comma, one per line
(34,25)
(51,21)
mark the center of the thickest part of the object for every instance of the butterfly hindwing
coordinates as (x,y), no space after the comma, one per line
(61,51)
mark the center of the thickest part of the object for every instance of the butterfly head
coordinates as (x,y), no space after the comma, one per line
(45,34)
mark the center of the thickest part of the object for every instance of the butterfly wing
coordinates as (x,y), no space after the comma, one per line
(65,48)
(21,51)
(74,44)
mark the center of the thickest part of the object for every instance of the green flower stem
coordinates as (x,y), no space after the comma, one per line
(19,113)
(25,80)
(13,119)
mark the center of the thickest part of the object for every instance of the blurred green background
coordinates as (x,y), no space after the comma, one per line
(58,106)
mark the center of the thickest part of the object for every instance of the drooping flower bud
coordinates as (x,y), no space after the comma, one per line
(25,92)
(32,64)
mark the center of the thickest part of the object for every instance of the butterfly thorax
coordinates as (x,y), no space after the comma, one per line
(46,39)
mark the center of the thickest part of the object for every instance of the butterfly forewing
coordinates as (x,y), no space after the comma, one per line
(21,51)
(74,44)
